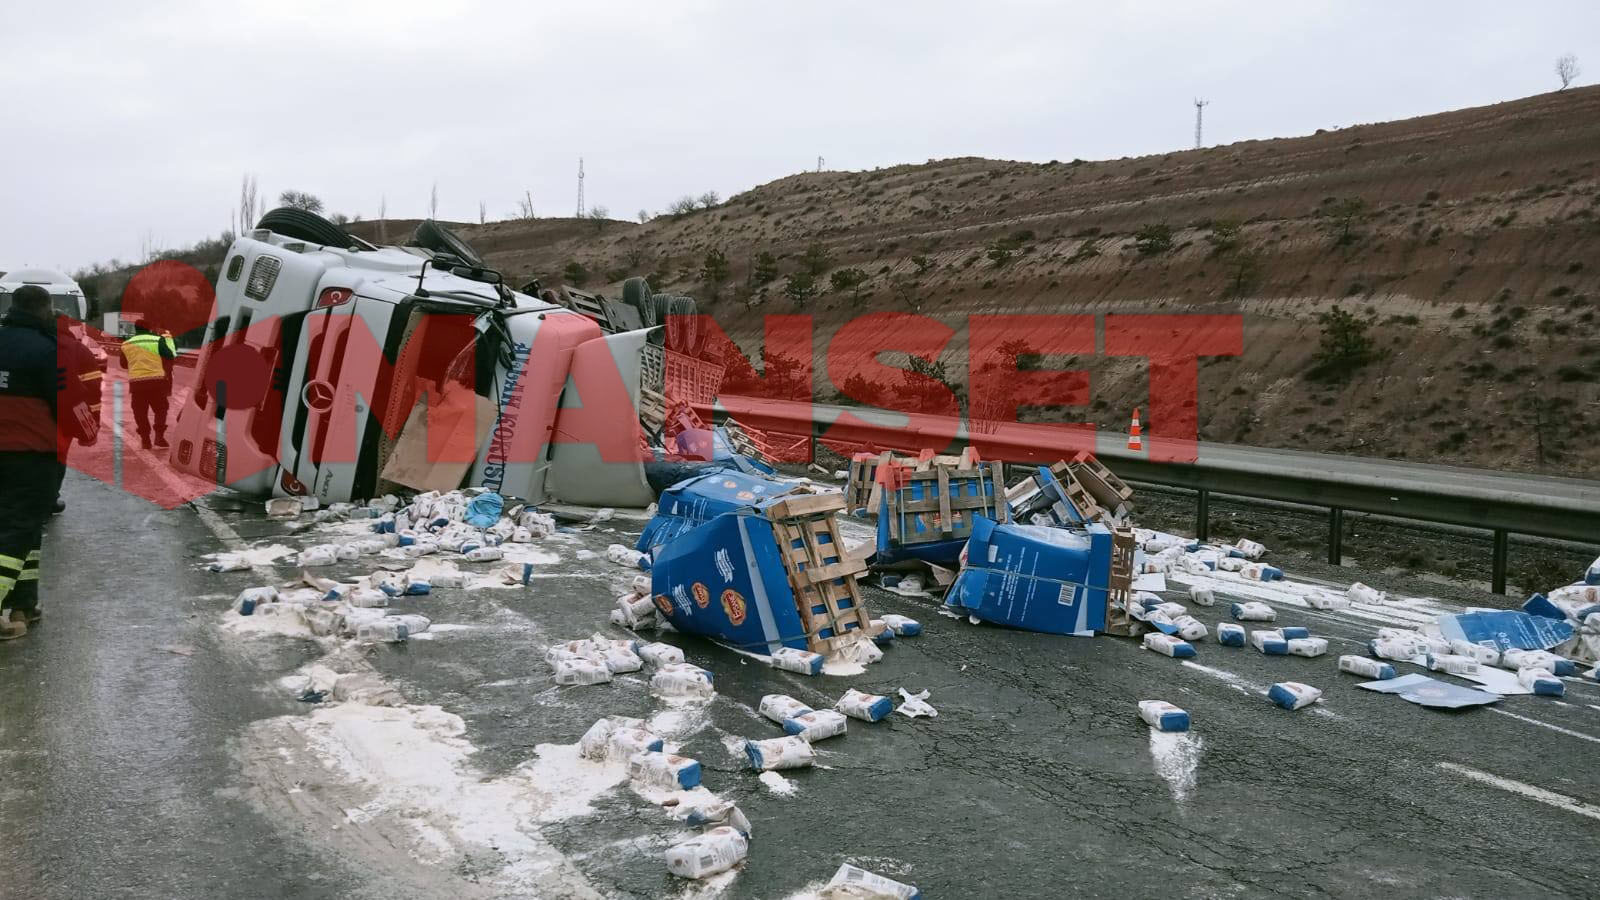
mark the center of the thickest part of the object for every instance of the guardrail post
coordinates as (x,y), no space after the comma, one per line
(1202,515)
(1335,536)
(1502,547)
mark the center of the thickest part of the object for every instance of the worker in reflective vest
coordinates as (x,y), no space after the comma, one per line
(44,402)
(148,358)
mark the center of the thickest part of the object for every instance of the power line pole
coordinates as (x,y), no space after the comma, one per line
(819,164)
(580,187)
(1199,118)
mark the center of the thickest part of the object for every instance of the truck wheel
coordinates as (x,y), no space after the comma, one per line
(305,226)
(636,293)
(685,325)
(430,235)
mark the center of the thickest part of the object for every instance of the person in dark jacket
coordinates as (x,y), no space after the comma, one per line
(42,396)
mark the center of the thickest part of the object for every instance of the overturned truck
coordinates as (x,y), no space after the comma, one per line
(338,369)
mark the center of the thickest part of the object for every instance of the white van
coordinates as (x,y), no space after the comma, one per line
(324,342)
(65,296)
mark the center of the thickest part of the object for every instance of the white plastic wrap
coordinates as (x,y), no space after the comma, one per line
(915,705)
(853,882)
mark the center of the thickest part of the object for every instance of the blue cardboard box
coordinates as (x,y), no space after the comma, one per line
(1035,577)
(697,500)
(930,515)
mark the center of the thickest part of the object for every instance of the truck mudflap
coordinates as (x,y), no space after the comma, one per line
(596,455)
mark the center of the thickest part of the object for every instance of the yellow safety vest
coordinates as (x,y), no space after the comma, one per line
(143,352)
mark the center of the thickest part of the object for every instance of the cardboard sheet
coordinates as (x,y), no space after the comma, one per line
(1431,692)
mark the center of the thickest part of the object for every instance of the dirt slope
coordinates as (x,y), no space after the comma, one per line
(1474,260)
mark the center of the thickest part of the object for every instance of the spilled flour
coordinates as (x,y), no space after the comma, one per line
(778,784)
(1177,760)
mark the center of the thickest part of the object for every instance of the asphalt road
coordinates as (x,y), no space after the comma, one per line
(122,735)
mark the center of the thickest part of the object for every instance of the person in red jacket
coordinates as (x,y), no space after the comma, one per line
(43,396)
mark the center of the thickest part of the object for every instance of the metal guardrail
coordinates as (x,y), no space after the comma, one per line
(1501,503)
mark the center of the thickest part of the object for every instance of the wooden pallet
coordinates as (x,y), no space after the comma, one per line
(943,517)
(1110,492)
(747,441)
(822,574)
(652,411)
(1119,591)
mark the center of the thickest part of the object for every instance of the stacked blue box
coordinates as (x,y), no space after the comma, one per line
(1034,577)
(927,515)
(1050,503)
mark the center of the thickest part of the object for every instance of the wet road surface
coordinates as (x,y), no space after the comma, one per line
(123,775)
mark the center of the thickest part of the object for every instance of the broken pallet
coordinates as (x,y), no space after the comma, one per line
(822,574)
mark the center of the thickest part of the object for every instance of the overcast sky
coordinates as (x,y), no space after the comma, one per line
(132,123)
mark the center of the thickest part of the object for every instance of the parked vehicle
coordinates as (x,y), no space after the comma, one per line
(322,345)
(65,295)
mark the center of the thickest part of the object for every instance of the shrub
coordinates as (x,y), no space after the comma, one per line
(1345,347)
(1153,239)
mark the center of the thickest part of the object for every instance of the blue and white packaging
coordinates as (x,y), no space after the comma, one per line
(1167,645)
(658,654)
(800,662)
(1516,659)
(1452,663)
(863,706)
(779,707)
(1321,599)
(1488,656)
(1252,611)
(1261,572)
(904,626)
(1200,596)
(1190,628)
(682,680)
(1310,647)
(1290,632)
(1593,575)
(695,501)
(779,753)
(1034,577)
(1230,635)
(667,771)
(247,601)
(1293,694)
(1269,641)
(1541,682)
(816,725)
(1163,716)
(703,855)
(1366,668)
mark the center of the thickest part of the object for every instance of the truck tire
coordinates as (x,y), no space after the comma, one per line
(636,293)
(687,326)
(430,235)
(305,226)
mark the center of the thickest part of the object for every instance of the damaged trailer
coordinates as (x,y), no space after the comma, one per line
(335,368)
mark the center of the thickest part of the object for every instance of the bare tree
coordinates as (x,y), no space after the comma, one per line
(383,219)
(483,213)
(525,205)
(433,202)
(644,216)
(249,205)
(709,199)
(300,200)
(1567,69)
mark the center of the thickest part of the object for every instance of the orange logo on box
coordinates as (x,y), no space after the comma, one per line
(664,603)
(733,605)
(702,597)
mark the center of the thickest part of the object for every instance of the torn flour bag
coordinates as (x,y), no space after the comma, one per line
(915,705)
(1366,668)
(779,707)
(1163,716)
(1293,694)
(1166,645)
(866,707)
(1230,635)
(1321,599)
(414,623)
(701,856)
(903,626)
(667,771)
(250,598)
(779,753)
(1252,611)
(816,725)
(617,737)
(1360,593)
(853,882)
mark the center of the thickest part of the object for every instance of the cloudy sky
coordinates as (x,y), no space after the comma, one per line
(132,124)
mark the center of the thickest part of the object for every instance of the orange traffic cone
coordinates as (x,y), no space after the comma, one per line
(1135,441)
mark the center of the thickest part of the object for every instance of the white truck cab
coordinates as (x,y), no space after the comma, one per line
(66,296)
(319,351)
